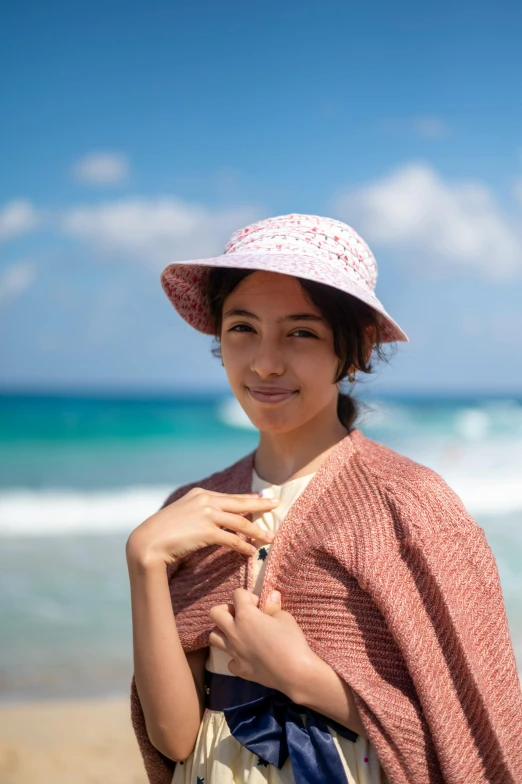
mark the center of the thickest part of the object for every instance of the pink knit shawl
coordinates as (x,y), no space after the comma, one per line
(396,588)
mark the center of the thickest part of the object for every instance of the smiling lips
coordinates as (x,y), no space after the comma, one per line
(271,394)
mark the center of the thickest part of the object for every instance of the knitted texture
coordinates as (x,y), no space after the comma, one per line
(395,587)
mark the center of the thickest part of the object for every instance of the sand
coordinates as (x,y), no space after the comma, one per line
(86,741)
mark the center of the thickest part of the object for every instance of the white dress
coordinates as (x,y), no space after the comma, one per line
(218,758)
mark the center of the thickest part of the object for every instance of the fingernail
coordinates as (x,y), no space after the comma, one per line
(275,596)
(270,535)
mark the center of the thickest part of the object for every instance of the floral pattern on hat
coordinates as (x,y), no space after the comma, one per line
(324,250)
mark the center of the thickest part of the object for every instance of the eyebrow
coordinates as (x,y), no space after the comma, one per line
(291,317)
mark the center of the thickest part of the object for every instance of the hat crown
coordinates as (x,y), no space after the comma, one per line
(309,235)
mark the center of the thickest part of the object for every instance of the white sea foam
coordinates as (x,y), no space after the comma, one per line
(486,483)
(477,450)
(485,473)
(230,413)
(488,496)
(26,512)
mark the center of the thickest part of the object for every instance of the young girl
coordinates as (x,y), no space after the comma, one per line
(323,610)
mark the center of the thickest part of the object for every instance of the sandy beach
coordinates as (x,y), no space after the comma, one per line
(86,741)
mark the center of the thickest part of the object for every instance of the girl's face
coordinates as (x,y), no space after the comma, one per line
(278,353)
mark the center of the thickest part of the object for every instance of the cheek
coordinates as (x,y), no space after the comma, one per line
(233,356)
(235,364)
(318,364)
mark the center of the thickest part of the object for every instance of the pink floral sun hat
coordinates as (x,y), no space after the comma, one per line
(305,246)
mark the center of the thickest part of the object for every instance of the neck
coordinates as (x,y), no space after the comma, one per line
(283,456)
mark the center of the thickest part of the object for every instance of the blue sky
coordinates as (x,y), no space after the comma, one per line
(133,134)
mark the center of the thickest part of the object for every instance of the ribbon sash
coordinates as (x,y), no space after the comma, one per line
(269,724)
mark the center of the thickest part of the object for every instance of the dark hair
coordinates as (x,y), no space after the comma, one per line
(347,316)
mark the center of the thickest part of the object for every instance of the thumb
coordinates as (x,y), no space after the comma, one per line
(273,603)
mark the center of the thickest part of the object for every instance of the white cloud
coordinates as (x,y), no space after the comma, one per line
(157,230)
(15,279)
(421,125)
(443,225)
(101,168)
(17,217)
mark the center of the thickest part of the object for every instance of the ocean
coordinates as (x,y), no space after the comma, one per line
(78,473)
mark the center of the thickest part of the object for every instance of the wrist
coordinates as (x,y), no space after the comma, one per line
(322,690)
(304,676)
(141,559)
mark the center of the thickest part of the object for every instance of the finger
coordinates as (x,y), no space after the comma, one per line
(218,640)
(244,598)
(198,491)
(227,607)
(241,525)
(232,666)
(251,502)
(233,542)
(222,617)
(273,603)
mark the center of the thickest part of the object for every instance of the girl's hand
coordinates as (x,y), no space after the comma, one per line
(267,647)
(197,520)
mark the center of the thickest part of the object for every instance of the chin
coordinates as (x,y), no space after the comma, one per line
(275,424)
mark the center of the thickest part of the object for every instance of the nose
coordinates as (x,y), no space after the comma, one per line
(267,359)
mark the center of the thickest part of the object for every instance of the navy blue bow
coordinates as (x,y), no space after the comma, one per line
(270,725)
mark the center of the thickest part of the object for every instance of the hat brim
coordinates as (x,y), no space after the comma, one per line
(184,283)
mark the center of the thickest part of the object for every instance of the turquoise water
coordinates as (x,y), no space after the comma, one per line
(79,473)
